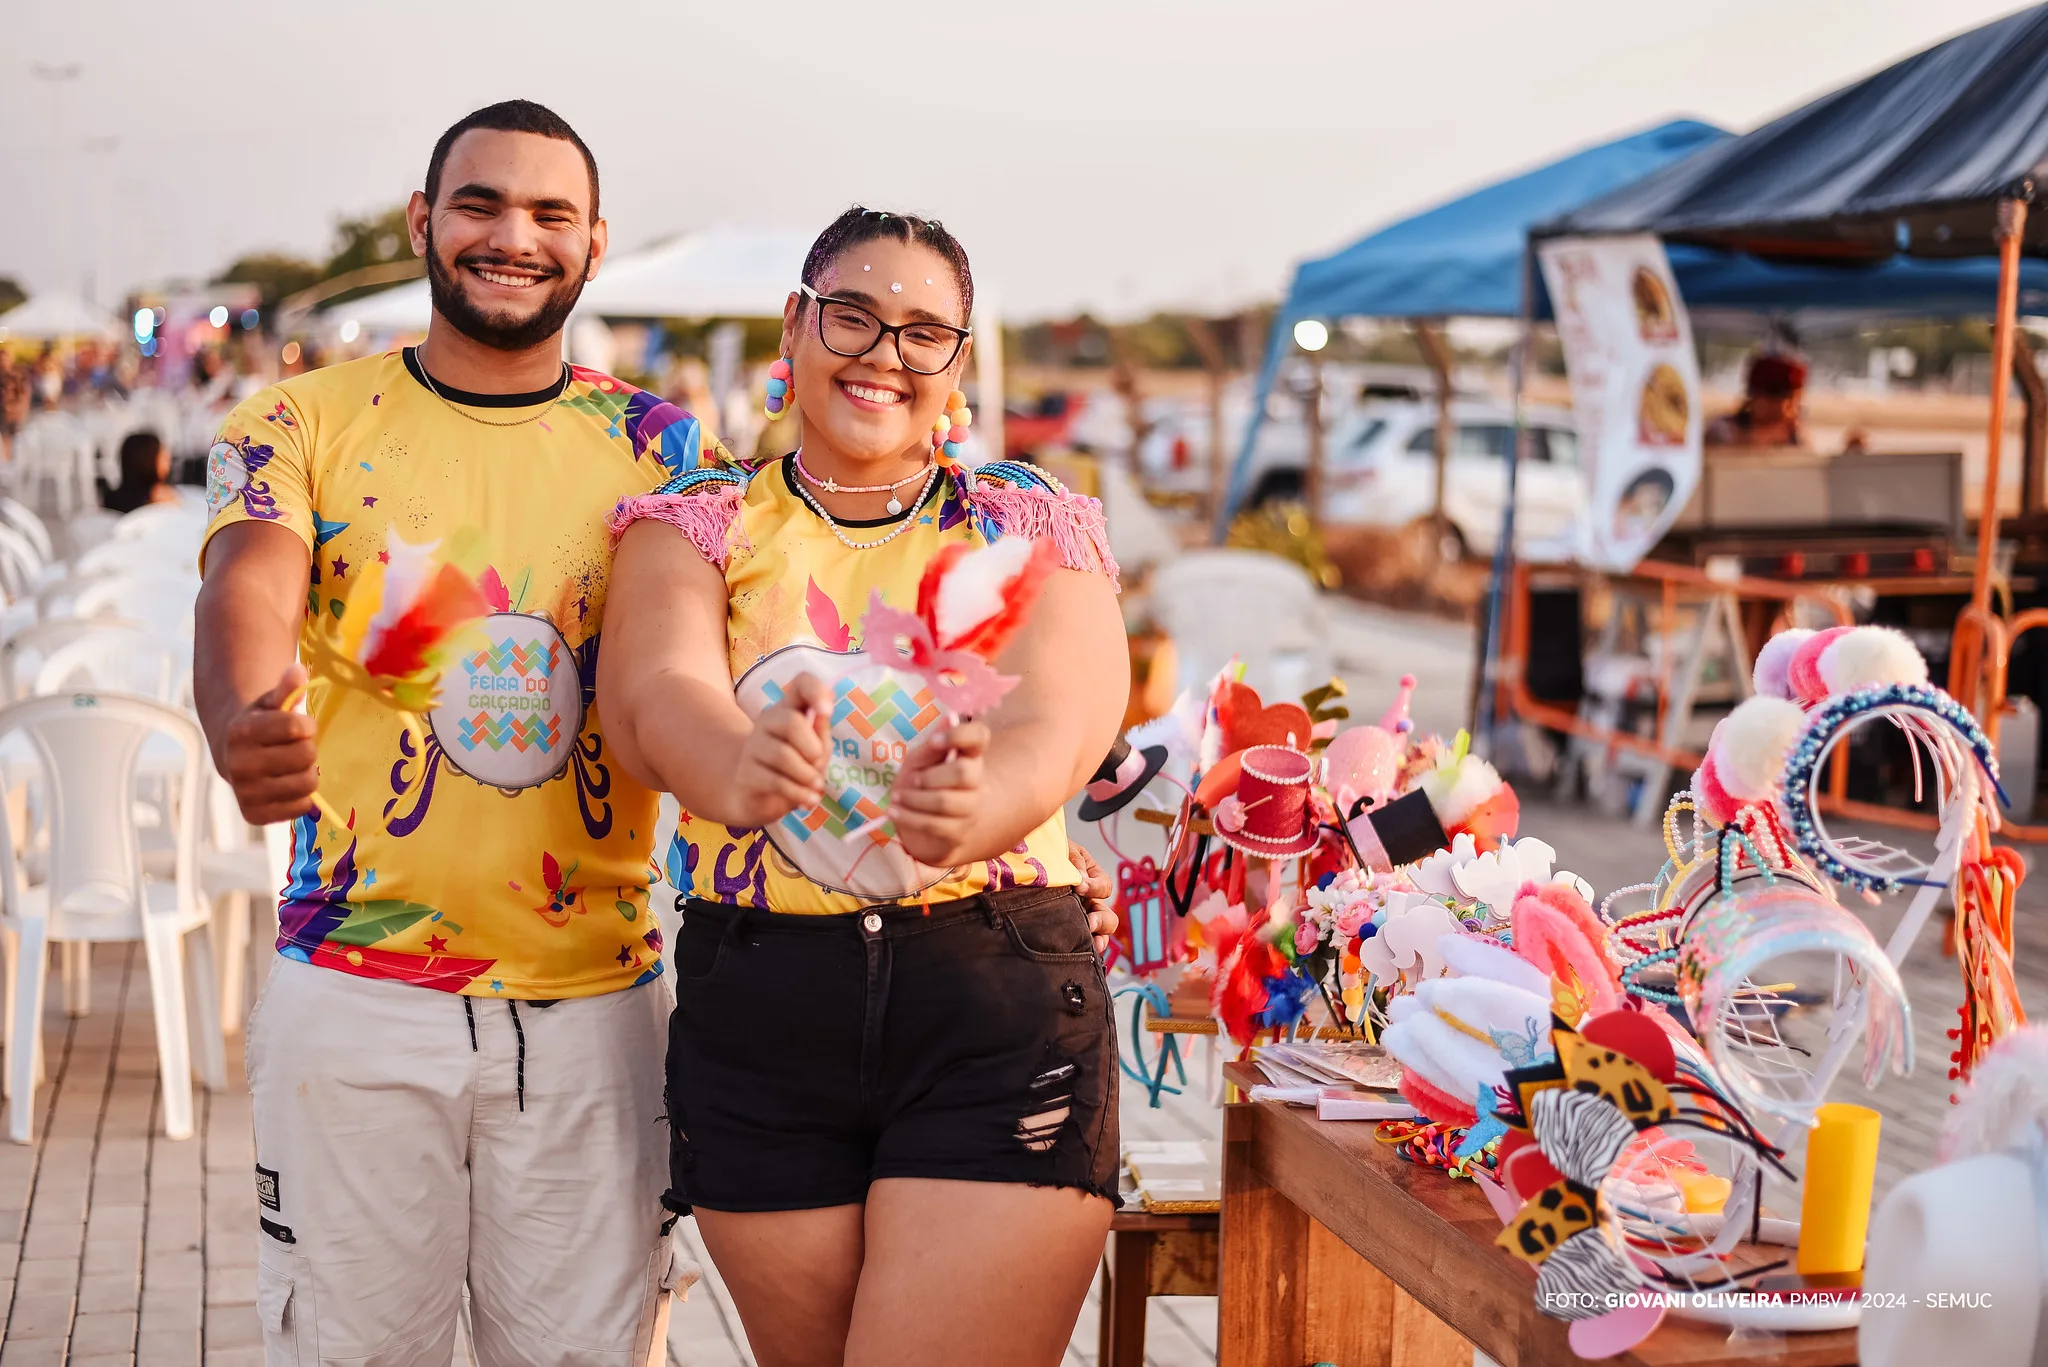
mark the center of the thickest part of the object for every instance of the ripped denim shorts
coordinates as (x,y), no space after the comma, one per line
(811,1055)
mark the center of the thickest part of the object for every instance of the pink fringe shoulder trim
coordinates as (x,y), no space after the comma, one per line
(1073,522)
(710,520)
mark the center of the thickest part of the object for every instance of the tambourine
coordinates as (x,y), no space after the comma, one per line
(847,843)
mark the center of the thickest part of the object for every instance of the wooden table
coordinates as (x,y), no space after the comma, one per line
(1150,1255)
(1334,1250)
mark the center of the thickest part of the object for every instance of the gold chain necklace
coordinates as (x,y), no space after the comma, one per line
(419,354)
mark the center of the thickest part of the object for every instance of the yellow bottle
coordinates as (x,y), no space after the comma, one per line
(1834,1206)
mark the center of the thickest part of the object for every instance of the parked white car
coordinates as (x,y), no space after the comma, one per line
(1380,471)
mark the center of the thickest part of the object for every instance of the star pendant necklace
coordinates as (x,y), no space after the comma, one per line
(833,486)
(930,473)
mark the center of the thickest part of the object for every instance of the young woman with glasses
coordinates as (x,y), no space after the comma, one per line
(892,1079)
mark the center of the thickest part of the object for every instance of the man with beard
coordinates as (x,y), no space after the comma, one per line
(456,1060)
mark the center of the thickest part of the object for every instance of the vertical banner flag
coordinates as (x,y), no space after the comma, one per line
(1635,389)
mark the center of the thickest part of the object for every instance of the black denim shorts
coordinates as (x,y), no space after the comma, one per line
(812,1055)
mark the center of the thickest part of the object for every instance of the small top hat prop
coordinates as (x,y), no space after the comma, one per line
(1123,774)
(1397,832)
(1270,815)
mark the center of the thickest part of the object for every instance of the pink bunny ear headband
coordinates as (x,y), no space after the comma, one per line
(1555,929)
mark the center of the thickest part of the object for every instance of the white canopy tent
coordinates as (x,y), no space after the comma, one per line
(719,272)
(400,309)
(53,317)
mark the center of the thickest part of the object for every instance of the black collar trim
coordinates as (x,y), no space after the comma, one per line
(470,400)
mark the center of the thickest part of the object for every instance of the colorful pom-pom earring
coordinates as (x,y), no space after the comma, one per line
(780,378)
(950,431)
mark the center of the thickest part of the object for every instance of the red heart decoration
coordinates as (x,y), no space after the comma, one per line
(1634,1034)
(1245,722)
(1527,1173)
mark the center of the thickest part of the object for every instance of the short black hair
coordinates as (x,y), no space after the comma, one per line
(510,116)
(858,225)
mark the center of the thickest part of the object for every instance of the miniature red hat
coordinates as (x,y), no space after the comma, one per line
(1270,814)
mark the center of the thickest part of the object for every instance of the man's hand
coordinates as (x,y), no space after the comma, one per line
(268,757)
(782,761)
(1099,892)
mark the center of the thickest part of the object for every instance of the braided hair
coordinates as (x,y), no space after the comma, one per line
(858,225)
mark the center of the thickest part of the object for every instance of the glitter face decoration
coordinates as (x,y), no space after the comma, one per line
(896,287)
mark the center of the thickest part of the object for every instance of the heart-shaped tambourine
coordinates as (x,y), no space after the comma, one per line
(847,843)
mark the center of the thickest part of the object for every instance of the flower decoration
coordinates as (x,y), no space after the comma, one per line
(401,624)
(971,602)
(1469,795)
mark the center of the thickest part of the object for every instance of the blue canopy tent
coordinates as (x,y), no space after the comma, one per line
(1465,259)
(1459,260)
(1941,156)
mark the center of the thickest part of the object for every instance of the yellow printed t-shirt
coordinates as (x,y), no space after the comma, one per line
(508,854)
(790,582)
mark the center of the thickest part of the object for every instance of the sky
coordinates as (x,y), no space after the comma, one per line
(1111,155)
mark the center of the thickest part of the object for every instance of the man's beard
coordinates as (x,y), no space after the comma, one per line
(500,331)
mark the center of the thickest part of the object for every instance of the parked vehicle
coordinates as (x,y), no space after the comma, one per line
(1380,471)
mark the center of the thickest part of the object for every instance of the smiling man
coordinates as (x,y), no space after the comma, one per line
(456,1059)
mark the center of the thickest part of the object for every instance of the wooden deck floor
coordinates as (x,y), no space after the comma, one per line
(122,1246)
(118,1246)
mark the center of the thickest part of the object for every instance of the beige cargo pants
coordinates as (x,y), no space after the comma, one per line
(409,1141)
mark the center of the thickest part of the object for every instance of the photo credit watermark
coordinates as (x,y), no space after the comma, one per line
(1601,1302)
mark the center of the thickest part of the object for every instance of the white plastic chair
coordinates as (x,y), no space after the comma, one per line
(1258,607)
(134,555)
(243,879)
(118,657)
(18,515)
(177,525)
(54,450)
(162,598)
(21,566)
(88,529)
(164,601)
(23,652)
(97,891)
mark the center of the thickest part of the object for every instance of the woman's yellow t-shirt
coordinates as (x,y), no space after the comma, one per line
(790,582)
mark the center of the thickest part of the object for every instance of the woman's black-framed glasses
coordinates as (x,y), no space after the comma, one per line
(847,329)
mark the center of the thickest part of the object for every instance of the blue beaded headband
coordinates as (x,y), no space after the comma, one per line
(1824,726)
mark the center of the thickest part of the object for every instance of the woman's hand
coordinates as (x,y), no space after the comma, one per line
(782,761)
(939,792)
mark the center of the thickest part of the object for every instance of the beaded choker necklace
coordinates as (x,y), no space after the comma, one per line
(931,473)
(833,486)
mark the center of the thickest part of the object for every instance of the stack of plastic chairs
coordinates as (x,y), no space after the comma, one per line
(55,464)
(115,825)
